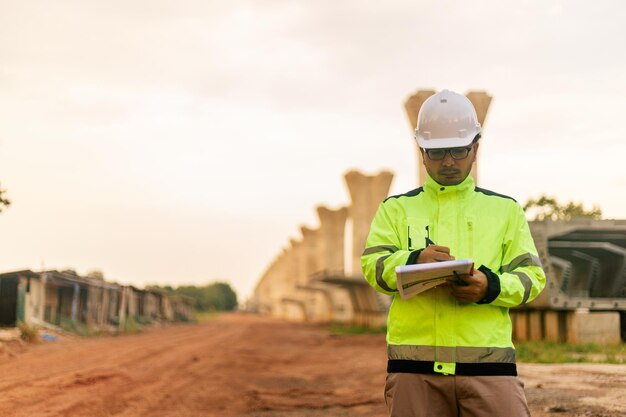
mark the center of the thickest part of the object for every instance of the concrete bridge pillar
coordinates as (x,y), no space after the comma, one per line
(311,249)
(297,263)
(332,238)
(366,193)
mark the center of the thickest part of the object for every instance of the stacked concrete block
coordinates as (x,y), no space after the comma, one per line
(585,265)
(577,326)
(593,327)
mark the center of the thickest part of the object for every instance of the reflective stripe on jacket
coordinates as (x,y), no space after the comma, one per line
(432,332)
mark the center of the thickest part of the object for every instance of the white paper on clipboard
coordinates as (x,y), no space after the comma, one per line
(415,279)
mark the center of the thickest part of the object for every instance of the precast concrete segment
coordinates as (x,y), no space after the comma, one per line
(570,252)
(607,276)
(366,193)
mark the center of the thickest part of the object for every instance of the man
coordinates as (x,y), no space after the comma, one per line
(449,348)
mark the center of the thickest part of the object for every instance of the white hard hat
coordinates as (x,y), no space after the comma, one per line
(446,120)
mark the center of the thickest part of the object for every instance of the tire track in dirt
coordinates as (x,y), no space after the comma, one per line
(247,366)
(72,375)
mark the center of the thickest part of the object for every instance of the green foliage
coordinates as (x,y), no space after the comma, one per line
(77,328)
(4,202)
(204,316)
(550,352)
(181,318)
(131,326)
(548,208)
(217,296)
(96,274)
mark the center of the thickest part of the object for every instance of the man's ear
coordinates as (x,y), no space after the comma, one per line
(476,150)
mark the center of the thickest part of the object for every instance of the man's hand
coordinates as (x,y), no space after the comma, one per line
(434,253)
(474,290)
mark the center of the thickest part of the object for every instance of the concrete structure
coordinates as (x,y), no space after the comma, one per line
(585,264)
(166,312)
(308,281)
(585,261)
(366,193)
(369,308)
(182,307)
(323,251)
(412,105)
(332,238)
(72,298)
(21,298)
(67,299)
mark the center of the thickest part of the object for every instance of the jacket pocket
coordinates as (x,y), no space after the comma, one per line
(417,231)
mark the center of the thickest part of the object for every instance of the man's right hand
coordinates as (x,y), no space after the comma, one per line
(434,253)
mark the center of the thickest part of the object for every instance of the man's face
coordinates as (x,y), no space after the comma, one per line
(448,170)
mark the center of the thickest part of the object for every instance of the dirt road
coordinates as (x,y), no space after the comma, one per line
(248,366)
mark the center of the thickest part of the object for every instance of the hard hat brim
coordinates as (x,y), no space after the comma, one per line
(439,143)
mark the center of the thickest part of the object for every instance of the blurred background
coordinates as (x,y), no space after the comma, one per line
(183,142)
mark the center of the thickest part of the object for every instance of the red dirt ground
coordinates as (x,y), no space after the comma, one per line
(247,366)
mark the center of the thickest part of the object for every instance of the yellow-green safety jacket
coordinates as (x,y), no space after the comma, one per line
(432,332)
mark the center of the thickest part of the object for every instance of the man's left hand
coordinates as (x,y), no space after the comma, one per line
(474,290)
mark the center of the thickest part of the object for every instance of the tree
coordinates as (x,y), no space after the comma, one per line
(217,296)
(221,296)
(548,208)
(4,202)
(96,274)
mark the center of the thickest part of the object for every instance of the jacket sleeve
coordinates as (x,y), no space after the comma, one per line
(521,277)
(384,250)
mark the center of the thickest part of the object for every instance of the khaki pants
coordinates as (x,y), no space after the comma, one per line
(424,395)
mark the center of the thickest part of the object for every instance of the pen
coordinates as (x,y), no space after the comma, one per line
(428,241)
(458,280)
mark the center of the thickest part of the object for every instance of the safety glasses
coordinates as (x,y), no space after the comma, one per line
(455,153)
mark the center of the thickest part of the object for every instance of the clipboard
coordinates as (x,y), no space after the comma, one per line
(415,279)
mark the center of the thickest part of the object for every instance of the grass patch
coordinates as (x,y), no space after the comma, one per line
(28,332)
(131,326)
(203,316)
(79,329)
(550,352)
(342,329)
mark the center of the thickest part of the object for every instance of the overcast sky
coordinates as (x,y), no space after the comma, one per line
(177,142)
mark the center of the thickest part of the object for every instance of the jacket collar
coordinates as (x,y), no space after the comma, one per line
(465,187)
